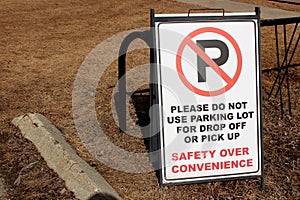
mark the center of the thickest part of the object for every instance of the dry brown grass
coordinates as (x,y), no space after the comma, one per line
(42,44)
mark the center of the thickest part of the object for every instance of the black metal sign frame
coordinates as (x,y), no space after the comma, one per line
(149,37)
(155,143)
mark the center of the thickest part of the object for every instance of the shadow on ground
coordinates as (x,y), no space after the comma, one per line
(102,197)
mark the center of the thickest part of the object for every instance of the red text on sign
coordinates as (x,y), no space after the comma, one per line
(193,155)
(212,166)
(234,152)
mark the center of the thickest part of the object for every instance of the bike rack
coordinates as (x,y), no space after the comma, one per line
(287,61)
(121,97)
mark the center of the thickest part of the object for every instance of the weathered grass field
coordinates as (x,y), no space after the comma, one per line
(42,45)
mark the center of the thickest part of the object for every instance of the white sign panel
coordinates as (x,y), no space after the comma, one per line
(208,77)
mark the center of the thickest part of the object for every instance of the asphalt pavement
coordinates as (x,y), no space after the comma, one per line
(234,6)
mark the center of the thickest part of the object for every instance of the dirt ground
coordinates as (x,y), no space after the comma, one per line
(42,45)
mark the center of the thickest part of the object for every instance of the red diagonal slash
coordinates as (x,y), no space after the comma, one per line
(208,60)
(187,41)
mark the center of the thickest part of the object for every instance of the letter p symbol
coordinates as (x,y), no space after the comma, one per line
(205,44)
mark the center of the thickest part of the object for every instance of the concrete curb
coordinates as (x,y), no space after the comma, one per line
(79,177)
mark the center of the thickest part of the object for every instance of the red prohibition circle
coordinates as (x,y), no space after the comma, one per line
(188,42)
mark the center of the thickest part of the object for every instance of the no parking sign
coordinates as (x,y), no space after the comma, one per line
(205,61)
(208,92)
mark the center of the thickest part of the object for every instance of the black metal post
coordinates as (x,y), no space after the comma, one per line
(121,98)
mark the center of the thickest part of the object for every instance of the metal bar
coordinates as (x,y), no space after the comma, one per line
(284,61)
(286,54)
(285,64)
(293,53)
(287,69)
(262,180)
(205,9)
(203,18)
(153,143)
(281,21)
(289,92)
(278,61)
(276,69)
(121,99)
